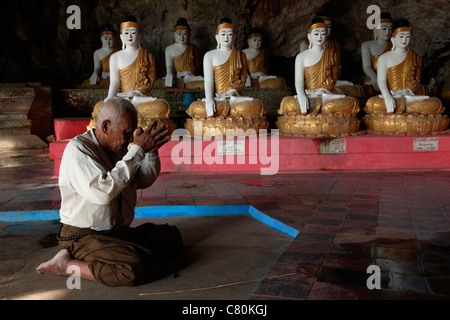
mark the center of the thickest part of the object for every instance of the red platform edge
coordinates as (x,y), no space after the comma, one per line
(290,154)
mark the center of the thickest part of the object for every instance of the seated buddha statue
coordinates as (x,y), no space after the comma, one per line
(132,75)
(225,73)
(330,43)
(316,71)
(342,86)
(182,60)
(100,76)
(371,50)
(398,78)
(258,64)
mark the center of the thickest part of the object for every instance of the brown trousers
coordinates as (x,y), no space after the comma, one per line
(127,256)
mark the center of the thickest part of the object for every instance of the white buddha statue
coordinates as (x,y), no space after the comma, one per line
(258,64)
(132,75)
(316,72)
(183,60)
(316,75)
(371,50)
(225,74)
(100,76)
(332,44)
(342,86)
(398,78)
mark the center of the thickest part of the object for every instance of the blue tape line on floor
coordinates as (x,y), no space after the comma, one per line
(37,215)
(162,211)
(180,211)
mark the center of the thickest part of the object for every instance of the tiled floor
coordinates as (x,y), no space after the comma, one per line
(398,221)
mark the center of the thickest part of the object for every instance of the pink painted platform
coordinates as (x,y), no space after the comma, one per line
(67,128)
(293,154)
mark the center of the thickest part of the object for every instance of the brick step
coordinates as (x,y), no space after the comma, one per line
(24,157)
(12,132)
(15,106)
(17,93)
(14,121)
(21,142)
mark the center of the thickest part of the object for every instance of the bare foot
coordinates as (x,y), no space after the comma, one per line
(57,265)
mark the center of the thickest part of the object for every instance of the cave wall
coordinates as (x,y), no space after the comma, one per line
(39,47)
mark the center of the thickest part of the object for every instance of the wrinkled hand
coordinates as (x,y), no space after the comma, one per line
(152,138)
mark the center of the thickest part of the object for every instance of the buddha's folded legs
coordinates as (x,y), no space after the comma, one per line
(197,109)
(347,105)
(425,106)
(158,108)
(276,83)
(290,105)
(376,104)
(248,108)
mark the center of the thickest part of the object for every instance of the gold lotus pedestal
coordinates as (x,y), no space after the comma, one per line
(412,123)
(215,126)
(312,125)
(241,117)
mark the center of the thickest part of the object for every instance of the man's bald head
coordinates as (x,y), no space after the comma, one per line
(114,109)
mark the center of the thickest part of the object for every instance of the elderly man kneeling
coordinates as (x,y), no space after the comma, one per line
(99,175)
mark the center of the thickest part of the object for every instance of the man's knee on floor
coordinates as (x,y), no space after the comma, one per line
(121,275)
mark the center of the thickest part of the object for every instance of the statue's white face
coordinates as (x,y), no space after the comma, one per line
(107,40)
(318,36)
(254,43)
(130,36)
(225,37)
(385,31)
(181,36)
(402,39)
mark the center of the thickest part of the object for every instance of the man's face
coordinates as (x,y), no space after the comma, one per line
(121,134)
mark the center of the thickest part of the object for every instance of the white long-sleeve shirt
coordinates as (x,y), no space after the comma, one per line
(90,184)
